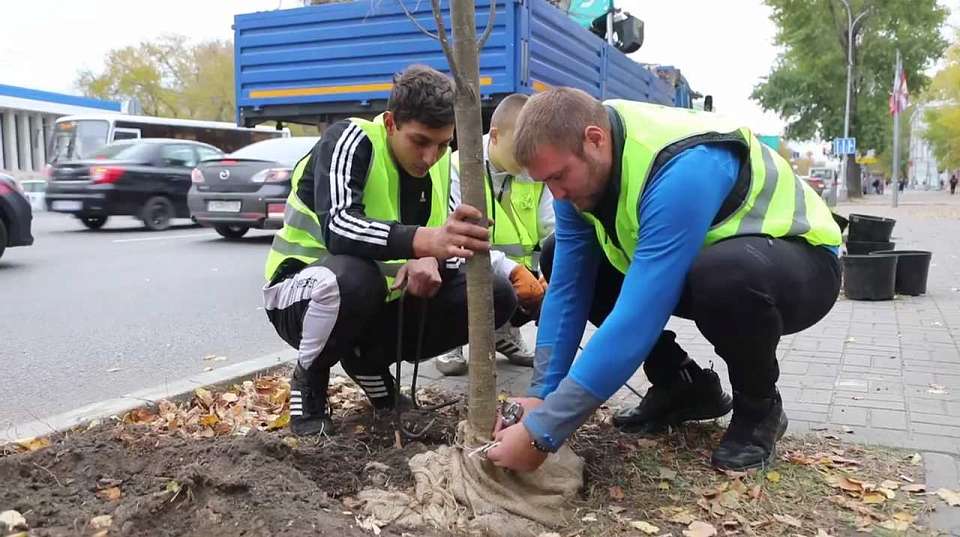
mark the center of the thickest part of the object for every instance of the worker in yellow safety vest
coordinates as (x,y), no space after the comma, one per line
(369,217)
(522,212)
(666,212)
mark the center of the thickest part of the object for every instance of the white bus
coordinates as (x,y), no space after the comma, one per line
(77,137)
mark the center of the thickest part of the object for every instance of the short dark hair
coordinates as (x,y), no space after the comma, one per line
(422,94)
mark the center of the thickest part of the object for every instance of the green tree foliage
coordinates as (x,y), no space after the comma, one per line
(807,84)
(943,117)
(170,77)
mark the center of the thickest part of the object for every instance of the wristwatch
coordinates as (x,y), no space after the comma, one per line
(539,446)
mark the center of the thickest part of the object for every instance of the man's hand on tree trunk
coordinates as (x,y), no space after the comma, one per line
(460,236)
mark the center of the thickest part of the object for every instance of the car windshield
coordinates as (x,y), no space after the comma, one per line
(283,150)
(128,152)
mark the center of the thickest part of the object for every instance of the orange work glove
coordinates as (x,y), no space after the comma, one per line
(529,291)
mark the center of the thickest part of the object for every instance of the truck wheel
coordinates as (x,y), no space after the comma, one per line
(231,232)
(157,213)
(93,222)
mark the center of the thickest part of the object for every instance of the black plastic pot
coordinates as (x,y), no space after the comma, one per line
(865,247)
(864,227)
(913,266)
(869,277)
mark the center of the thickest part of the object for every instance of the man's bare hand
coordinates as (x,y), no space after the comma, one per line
(528,404)
(420,277)
(459,236)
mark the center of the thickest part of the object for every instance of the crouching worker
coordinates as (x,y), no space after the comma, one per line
(522,212)
(368,218)
(664,211)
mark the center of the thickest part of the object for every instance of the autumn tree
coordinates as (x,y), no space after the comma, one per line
(807,84)
(170,77)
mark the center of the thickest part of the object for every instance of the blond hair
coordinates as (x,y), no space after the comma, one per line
(556,117)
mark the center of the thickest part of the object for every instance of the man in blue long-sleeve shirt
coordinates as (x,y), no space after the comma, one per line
(659,212)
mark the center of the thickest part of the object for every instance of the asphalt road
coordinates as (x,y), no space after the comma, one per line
(90,315)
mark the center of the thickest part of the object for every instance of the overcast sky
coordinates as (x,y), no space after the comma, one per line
(722,47)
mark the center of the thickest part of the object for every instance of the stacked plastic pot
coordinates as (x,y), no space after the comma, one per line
(873,269)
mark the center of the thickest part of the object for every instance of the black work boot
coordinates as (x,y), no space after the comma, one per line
(309,414)
(699,398)
(757,424)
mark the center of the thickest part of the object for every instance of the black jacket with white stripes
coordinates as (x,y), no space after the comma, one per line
(339,165)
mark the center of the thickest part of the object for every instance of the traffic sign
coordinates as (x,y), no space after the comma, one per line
(844,146)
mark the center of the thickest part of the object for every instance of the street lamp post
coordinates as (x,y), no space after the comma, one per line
(851,23)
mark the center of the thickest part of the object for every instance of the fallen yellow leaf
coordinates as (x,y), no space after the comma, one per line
(33,444)
(101,522)
(280,422)
(677,515)
(209,420)
(887,492)
(204,396)
(699,529)
(904,517)
(952,498)
(871,498)
(229,397)
(645,527)
(890,485)
(773,476)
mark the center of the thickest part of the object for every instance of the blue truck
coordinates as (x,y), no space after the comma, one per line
(317,64)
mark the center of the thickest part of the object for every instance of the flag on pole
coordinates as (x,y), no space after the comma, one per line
(899,97)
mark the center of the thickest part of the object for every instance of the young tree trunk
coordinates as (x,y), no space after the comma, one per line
(483,380)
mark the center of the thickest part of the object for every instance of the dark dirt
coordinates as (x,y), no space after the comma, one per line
(257,484)
(157,483)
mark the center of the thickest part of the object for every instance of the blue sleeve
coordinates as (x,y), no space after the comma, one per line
(563,316)
(675,212)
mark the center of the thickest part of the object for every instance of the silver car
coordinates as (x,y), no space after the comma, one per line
(247,188)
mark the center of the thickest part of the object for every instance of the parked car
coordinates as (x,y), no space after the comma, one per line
(247,188)
(820,179)
(147,178)
(15,215)
(35,190)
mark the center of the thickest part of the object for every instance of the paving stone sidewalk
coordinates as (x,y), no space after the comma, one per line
(884,373)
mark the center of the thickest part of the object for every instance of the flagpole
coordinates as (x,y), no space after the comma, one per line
(896,132)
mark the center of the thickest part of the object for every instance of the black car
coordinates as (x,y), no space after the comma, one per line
(247,188)
(147,178)
(15,215)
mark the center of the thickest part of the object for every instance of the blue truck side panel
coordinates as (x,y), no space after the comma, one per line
(339,59)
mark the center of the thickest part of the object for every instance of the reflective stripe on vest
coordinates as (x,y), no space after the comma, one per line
(302,235)
(778,204)
(515,228)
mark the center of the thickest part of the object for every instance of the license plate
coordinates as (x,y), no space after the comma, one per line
(67,205)
(223,206)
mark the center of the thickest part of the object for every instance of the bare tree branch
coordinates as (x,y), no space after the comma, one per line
(444,42)
(489,29)
(415,21)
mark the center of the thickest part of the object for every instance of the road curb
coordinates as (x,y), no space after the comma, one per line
(226,375)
